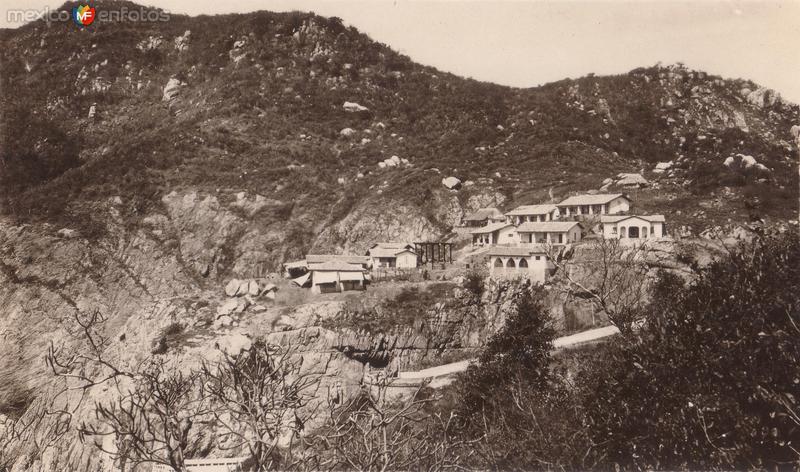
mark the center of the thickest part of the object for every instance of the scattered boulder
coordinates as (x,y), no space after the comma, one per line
(452,183)
(762,97)
(233,344)
(795,131)
(631,180)
(271,295)
(347,132)
(172,89)
(744,163)
(661,167)
(252,288)
(67,233)
(182,42)
(227,307)
(352,107)
(232,288)
(92,111)
(223,321)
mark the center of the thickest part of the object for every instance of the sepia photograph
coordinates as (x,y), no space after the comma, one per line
(399,235)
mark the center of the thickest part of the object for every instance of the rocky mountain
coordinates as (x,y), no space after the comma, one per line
(145,164)
(291,132)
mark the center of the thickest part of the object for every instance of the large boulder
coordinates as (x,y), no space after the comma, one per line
(352,107)
(232,287)
(631,180)
(252,288)
(172,89)
(662,167)
(452,183)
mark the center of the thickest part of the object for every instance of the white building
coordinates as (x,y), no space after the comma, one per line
(336,276)
(493,234)
(632,226)
(393,255)
(532,213)
(550,232)
(599,204)
(234,464)
(511,262)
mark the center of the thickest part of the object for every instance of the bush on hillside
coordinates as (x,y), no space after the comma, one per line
(714,380)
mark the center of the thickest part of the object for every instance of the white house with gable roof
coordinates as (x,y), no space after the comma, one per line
(532,213)
(493,234)
(632,226)
(550,232)
(598,204)
(393,255)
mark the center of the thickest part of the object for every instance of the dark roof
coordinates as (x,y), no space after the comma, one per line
(490,228)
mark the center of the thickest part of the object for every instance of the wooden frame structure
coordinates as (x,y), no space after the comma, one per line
(433,252)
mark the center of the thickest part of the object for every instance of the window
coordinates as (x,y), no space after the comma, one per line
(538,258)
(613,230)
(560,238)
(622,232)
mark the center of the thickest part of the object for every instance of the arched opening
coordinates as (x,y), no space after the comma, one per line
(523,263)
(498,262)
(633,232)
(510,264)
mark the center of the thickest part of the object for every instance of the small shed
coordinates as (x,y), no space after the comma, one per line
(336,276)
(392,255)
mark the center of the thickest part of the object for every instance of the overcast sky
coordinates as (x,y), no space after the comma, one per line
(526,43)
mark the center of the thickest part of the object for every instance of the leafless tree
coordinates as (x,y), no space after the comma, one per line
(152,419)
(153,412)
(260,400)
(371,433)
(612,274)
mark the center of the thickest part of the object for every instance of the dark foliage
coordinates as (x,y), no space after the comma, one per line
(714,379)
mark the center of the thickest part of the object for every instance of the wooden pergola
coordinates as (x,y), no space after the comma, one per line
(433,252)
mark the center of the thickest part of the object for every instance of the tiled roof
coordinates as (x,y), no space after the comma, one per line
(597,199)
(389,249)
(335,266)
(346,258)
(516,251)
(546,226)
(490,228)
(618,218)
(532,210)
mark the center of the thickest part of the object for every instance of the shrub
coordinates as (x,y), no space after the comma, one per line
(713,380)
